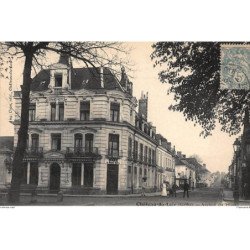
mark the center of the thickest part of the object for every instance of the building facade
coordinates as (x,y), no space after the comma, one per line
(6,152)
(184,171)
(86,136)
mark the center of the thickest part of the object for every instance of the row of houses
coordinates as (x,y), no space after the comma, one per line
(89,134)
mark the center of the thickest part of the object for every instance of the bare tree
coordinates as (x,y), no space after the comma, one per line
(91,54)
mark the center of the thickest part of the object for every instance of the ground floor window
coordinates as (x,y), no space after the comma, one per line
(76,174)
(34,173)
(135,177)
(129,176)
(140,177)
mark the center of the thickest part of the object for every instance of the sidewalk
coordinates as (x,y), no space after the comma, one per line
(228,196)
(41,198)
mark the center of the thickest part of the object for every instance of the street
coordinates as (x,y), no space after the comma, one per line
(198,197)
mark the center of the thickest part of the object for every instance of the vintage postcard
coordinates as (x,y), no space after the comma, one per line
(124,123)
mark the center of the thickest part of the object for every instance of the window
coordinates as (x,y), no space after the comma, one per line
(129,169)
(114,145)
(89,143)
(56,141)
(153,157)
(145,172)
(58,80)
(146,154)
(114,111)
(149,155)
(32,112)
(53,111)
(76,174)
(84,111)
(34,141)
(141,152)
(135,176)
(129,176)
(140,124)
(140,177)
(129,148)
(136,150)
(78,142)
(61,112)
(88,175)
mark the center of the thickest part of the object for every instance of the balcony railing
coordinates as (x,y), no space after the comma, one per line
(57,90)
(141,158)
(34,152)
(116,154)
(81,152)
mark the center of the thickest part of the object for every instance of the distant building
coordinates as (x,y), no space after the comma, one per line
(184,171)
(201,172)
(166,160)
(6,152)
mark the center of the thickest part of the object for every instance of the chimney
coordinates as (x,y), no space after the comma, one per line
(143,106)
(204,165)
(101,76)
(184,156)
(160,142)
(179,154)
(173,149)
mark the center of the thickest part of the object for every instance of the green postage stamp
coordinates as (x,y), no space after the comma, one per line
(235,66)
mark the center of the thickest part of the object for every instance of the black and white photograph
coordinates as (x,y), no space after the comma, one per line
(124,125)
(81,125)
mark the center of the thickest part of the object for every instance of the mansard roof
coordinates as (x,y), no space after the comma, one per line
(81,78)
(179,162)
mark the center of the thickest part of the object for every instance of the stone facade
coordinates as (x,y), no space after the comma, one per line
(85,135)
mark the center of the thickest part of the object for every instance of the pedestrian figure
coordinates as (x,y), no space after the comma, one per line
(245,190)
(164,189)
(144,179)
(168,189)
(185,188)
(174,187)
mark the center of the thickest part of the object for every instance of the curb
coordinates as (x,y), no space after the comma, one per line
(228,199)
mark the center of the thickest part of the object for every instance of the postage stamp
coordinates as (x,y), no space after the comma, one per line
(235,66)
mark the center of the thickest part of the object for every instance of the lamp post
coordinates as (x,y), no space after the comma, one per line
(236,194)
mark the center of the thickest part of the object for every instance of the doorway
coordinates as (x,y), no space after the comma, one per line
(112,179)
(88,175)
(55,176)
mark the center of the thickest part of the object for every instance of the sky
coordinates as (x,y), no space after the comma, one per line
(216,151)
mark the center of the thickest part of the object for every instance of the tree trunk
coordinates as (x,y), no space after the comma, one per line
(14,192)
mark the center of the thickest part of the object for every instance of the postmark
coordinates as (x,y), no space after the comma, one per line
(235,66)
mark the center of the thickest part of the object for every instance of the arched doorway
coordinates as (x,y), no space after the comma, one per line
(55,176)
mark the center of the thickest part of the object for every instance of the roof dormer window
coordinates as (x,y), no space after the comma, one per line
(58,80)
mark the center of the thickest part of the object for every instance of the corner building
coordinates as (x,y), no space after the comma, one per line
(85,135)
